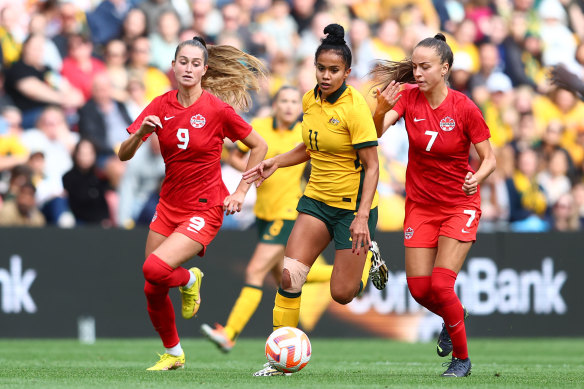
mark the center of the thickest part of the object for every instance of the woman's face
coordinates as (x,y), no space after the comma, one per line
(331,72)
(85,157)
(428,70)
(288,106)
(189,66)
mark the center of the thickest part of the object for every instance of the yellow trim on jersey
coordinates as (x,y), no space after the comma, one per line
(333,131)
(278,196)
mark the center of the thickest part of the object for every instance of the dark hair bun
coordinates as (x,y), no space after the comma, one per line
(335,34)
(201,40)
(440,37)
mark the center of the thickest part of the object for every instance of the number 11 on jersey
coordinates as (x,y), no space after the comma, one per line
(315,139)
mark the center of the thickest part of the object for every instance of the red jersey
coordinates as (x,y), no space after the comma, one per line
(191,141)
(439,148)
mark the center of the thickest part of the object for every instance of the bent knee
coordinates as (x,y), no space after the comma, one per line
(343,295)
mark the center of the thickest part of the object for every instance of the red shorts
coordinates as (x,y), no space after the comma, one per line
(201,226)
(423,223)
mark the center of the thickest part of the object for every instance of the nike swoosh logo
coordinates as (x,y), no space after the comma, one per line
(465,231)
(168,118)
(418,120)
(455,324)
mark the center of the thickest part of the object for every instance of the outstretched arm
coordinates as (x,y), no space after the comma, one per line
(258,149)
(266,168)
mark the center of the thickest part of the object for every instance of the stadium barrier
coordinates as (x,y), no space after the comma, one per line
(53,282)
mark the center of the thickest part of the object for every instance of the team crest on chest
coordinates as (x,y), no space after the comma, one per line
(198,121)
(447,124)
(334,121)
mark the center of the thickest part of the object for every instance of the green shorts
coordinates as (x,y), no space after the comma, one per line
(274,231)
(337,220)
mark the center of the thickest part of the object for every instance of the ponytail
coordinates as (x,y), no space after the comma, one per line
(231,74)
(402,71)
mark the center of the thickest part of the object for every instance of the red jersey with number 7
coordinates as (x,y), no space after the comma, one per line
(440,140)
(191,141)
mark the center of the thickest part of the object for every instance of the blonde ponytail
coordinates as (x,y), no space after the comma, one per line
(232,74)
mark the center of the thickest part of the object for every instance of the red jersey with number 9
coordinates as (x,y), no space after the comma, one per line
(191,141)
(440,141)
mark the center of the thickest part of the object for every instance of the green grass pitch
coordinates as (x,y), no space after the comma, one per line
(336,363)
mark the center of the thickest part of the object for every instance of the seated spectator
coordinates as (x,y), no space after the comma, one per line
(86,188)
(103,121)
(19,175)
(22,211)
(12,150)
(554,178)
(51,145)
(141,180)
(565,216)
(136,101)
(116,56)
(497,109)
(164,40)
(134,26)
(105,21)
(33,87)
(527,201)
(10,40)
(80,67)
(154,79)
(72,21)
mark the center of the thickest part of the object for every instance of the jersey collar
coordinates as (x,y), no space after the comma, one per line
(333,97)
(275,124)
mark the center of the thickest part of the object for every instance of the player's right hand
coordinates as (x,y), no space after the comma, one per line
(260,172)
(387,99)
(149,124)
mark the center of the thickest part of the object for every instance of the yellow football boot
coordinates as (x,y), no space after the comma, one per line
(191,298)
(169,362)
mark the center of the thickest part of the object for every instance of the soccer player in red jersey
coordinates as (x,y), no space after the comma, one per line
(191,123)
(442,190)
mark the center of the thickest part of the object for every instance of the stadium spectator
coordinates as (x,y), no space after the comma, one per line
(33,87)
(328,209)
(11,36)
(106,20)
(134,26)
(51,57)
(80,68)
(22,210)
(553,179)
(497,109)
(140,184)
(578,194)
(564,214)
(116,55)
(527,201)
(153,9)
(19,175)
(280,29)
(72,21)
(207,19)
(164,39)
(103,121)
(136,100)
(310,38)
(51,145)
(12,151)
(86,187)
(440,183)
(488,64)
(193,196)
(154,79)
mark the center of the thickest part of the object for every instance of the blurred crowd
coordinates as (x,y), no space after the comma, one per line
(75,73)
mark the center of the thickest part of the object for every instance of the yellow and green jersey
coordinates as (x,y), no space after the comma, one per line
(278,196)
(333,131)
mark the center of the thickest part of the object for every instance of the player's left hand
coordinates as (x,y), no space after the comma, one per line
(470,185)
(233,203)
(360,238)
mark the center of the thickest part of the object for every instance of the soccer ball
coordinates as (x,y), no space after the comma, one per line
(288,349)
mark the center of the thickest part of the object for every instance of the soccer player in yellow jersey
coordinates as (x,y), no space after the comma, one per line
(340,199)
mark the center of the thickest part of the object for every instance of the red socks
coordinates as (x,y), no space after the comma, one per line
(421,290)
(158,272)
(159,278)
(436,293)
(451,309)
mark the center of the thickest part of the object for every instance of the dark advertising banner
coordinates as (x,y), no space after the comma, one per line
(60,283)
